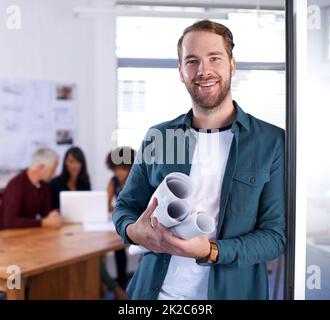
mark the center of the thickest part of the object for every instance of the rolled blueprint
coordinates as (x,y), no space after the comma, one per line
(174,210)
(196,225)
(172,195)
(173,206)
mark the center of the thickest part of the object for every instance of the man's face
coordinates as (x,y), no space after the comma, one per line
(47,172)
(206,69)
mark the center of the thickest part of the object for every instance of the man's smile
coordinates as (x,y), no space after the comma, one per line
(206,87)
(207,84)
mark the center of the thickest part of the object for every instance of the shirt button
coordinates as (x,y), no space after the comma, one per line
(253,180)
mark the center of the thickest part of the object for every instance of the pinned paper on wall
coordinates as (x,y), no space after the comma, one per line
(34,114)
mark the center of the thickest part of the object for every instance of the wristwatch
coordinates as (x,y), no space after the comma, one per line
(213,257)
(214,251)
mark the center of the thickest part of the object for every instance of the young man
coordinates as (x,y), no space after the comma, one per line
(26,202)
(238,180)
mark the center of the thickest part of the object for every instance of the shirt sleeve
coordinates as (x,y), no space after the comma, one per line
(134,198)
(47,201)
(12,206)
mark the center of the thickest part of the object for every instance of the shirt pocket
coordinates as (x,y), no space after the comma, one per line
(245,193)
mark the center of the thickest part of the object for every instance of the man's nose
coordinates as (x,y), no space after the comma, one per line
(204,69)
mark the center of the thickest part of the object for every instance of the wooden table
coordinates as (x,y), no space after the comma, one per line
(55,264)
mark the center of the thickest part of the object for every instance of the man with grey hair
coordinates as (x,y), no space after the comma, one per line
(26,202)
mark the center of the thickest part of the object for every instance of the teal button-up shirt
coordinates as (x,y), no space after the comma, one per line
(251,227)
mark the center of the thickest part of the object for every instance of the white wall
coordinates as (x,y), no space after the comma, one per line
(105,107)
(54,45)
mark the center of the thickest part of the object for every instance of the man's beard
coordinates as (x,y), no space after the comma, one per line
(208,102)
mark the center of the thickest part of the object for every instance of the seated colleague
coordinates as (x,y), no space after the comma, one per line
(27,195)
(74,176)
(119,161)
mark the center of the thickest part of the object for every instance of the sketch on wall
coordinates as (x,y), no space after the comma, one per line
(34,114)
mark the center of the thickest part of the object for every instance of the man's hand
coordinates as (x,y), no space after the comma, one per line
(197,248)
(141,232)
(53,220)
(149,233)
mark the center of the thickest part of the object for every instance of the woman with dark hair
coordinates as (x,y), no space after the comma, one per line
(119,161)
(74,177)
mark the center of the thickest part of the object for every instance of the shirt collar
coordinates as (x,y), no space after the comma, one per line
(242,118)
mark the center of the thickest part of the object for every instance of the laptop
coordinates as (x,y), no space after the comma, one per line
(84,207)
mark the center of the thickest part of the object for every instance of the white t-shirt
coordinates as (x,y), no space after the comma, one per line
(185,279)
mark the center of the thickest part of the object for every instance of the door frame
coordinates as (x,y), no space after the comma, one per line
(296,209)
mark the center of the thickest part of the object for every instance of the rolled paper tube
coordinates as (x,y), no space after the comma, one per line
(173,206)
(174,186)
(179,185)
(172,195)
(134,250)
(172,213)
(176,212)
(195,225)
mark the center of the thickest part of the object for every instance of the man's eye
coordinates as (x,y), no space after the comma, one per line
(213,59)
(191,62)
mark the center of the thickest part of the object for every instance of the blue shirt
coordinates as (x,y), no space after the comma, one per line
(251,226)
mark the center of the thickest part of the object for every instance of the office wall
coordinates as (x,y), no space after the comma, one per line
(52,44)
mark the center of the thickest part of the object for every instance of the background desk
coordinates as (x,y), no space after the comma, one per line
(55,264)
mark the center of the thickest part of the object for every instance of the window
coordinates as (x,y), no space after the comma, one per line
(314,167)
(132,95)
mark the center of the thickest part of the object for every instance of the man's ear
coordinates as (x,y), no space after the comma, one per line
(233,66)
(180,72)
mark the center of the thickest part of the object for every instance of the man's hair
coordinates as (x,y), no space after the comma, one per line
(44,156)
(210,26)
(121,157)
